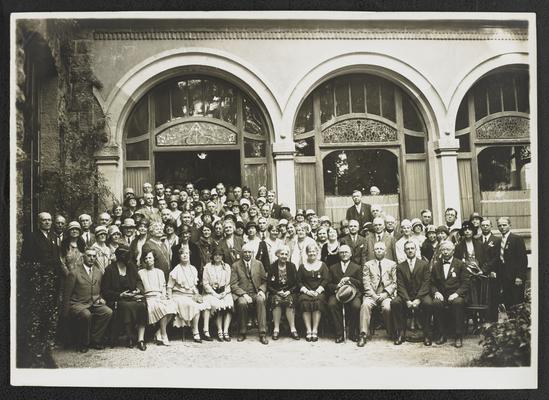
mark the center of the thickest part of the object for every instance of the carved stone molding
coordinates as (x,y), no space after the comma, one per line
(316,34)
(195,133)
(359,130)
(504,128)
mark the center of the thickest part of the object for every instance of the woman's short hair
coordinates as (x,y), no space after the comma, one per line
(282,248)
(201,229)
(154,226)
(216,251)
(270,227)
(311,246)
(146,253)
(122,253)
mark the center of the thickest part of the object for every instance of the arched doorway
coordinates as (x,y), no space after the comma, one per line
(379,129)
(199,129)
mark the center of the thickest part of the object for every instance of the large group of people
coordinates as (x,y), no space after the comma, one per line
(181,257)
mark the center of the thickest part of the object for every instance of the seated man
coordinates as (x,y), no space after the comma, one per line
(249,286)
(343,273)
(82,302)
(380,284)
(449,287)
(413,280)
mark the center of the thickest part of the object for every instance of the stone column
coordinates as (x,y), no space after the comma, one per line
(107,161)
(283,154)
(446,154)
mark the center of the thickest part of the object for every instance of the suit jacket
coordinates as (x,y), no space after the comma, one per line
(263,255)
(365,214)
(110,283)
(195,258)
(353,271)
(461,252)
(491,252)
(162,253)
(389,241)
(92,239)
(359,249)
(516,260)
(457,280)
(230,256)
(371,278)
(41,249)
(245,282)
(152,214)
(276,211)
(273,282)
(413,285)
(81,290)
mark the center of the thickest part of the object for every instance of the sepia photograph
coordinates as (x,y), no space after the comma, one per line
(286,200)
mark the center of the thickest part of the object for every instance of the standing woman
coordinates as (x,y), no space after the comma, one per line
(216,282)
(205,244)
(130,206)
(253,214)
(72,248)
(217,234)
(152,284)
(290,238)
(299,254)
(174,208)
(282,286)
(171,238)
(137,243)
(312,277)
(117,212)
(183,290)
(330,251)
(119,289)
(442,233)
(113,239)
(273,243)
(101,247)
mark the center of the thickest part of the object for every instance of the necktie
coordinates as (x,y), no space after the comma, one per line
(502,249)
(129,240)
(380,275)
(411,264)
(485,239)
(379,238)
(88,238)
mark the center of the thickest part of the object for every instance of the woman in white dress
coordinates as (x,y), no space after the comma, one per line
(104,256)
(183,290)
(299,252)
(152,284)
(217,288)
(273,243)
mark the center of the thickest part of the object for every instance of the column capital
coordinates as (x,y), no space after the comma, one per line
(107,155)
(285,148)
(446,147)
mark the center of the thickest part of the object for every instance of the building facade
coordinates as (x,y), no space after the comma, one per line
(433,112)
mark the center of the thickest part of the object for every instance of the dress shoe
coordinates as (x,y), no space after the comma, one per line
(294,335)
(220,337)
(83,349)
(308,337)
(275,335)
(441,340)
(130,344)
(314,337)
(340,339)
(226,337)
(97,346)
(141,345)
(241,337)
(398,341)
(458,343)
(427,341)
(196,338)
(263,339)
(361,340)
(207,337)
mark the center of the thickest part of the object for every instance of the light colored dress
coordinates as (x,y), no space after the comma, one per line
(217,279)
(104,256)
(183,281)
(72,259)
(299,252)
(154,289)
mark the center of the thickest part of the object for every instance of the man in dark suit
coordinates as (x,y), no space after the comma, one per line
(249,288)
(413,280)
(82,302)
(357,243)
(230,245)
(274,208)
(59,226)
(380,235)
(449,287)
(512,264)
(359,211)
(345,272)
(86,223)
(491,251)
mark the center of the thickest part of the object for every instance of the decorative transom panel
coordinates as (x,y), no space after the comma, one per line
(359,130)
(195,133)
(504,128)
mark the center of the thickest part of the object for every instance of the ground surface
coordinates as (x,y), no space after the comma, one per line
(282,353)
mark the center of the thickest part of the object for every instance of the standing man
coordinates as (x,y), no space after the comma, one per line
(449,287)
(491,251)
(82,302)
(345,273)
(274,209)
(413,293)
(513,263)
(128,231)
(158,193)
(380,285)
(357,243)
(148,210)
(86,223)
(380,235)
(450,217)
(359,211)
(249,288)
(426,218)
(59,225)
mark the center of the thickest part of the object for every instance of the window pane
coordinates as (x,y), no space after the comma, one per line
(305,147)
(161,98)
(304,121)
(494,97)
(464,142)
(388,100)
(342,97)
(462,119)
(196,98)
(345,171)
(372,97)
(180,99)
(411,118)
(138,122)
(137,151)
(252,118)
(522,93)
(357,95)
(509,95)
(480,102)
(414,144)
(503,168)
(254,148)
(326,102)
(211,99)
(228,105)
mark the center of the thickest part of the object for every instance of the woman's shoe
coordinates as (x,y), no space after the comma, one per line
(227,337)
(207,337)
(141,345)
(164,342)
(220,336)
(309,337)
(196,338)
(314,337)
(294,335)
(275,335)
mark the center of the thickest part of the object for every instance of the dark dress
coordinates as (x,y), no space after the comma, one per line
(312,280)
(277,281)
(329,257)
(427,250)
(126,311)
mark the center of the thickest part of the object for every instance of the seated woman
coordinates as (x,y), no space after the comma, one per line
(119,289)
(152,284)
(312,278)
(282,286)
(183,290)
(216,282)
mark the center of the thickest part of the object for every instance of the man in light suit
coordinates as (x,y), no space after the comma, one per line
(148,210)
(380,285)
(82,302)
(380,235)
(512,264)
(249,288)
(359,211)
(449,287)
(413,293)
(357,243)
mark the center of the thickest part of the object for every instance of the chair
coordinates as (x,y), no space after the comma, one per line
(478,307)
